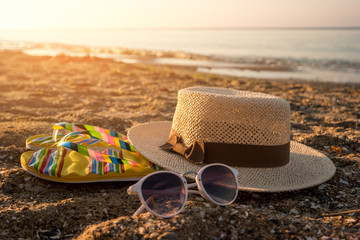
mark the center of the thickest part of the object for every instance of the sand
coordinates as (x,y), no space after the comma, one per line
(36,92)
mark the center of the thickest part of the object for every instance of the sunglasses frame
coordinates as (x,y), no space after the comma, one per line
(136,189)
(201,187)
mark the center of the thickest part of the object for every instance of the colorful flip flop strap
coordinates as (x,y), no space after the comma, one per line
(116,157)
(48,162)
(51,141)
(48,142)
(85,127)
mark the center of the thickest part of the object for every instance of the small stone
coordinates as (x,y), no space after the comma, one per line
(344,182)
(31,188)
(292,204)
(207,205)
(345,149)
(234,212)
(142,230)
(153,235)
(11,157)
(350,220)
(313,206)
(168,236)
(200,199)
(245,214)
(202,214)
(26,179)
(322,186)
(105,211)
(294,211)
(220,219)
(21,186)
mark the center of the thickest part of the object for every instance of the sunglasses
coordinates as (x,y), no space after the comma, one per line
(164,193)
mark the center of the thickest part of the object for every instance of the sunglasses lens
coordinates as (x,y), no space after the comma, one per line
(164,193)
(219,183)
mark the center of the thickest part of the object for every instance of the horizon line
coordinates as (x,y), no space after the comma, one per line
(186,28)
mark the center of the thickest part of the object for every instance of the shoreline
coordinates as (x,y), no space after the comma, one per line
(260,68)
(36,92)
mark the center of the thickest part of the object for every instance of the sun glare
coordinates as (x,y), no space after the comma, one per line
(41,14)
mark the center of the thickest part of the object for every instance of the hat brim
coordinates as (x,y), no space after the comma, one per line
(307,167)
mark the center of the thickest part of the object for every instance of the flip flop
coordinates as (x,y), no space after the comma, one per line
(72,162)
(41,141)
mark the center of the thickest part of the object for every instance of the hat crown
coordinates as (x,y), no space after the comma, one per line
(231,116)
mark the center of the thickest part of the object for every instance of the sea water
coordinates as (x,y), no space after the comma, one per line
(314,54)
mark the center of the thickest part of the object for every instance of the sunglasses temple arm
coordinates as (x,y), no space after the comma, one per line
(191,185)
(194,191)
(140,210)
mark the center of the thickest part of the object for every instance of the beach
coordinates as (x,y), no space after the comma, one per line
(38,91)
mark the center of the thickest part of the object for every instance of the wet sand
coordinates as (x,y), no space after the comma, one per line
(36,92)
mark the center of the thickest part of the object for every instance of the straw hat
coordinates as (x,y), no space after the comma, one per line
(247,130)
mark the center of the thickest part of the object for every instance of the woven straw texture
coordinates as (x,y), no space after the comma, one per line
(231,116)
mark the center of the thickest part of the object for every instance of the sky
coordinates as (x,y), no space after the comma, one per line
(149,14)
